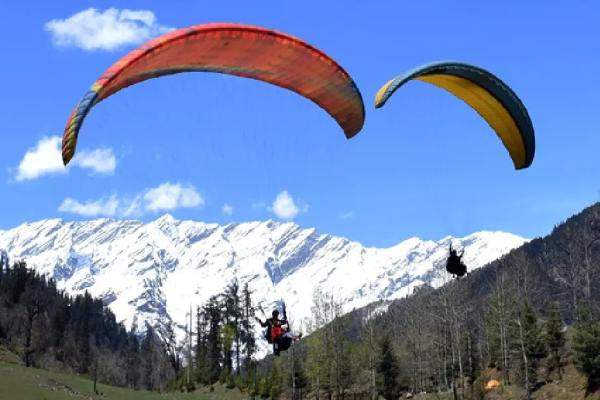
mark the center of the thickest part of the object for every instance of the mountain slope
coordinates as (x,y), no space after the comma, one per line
(155,271)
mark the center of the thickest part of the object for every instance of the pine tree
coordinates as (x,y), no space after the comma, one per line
(201,347)
(133,359)
(212,310)
(297,377)
(59,319)
(501,338)
(319,362)
(586,343)
(530,346)
(388,370)
(316,363)
(555,339)
(18,277)
(473,360)
(227,340)
(148,361)
(247,332)
(172,349)
(232,316)
(35,305)
(369,345)
(3,264)
(264,387)
(340,350)
(275,382)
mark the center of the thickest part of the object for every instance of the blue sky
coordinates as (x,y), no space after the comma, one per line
(219,149)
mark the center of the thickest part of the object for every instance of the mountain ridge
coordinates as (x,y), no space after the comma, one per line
(154,271)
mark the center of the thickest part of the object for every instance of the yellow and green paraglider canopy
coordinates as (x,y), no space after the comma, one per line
(494,100)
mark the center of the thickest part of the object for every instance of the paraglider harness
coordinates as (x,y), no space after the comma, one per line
(274,327)
(274,334)
(454,264)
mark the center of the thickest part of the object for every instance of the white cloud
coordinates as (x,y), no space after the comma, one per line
(170,196)
(227,209)
(45,159)
(132,207)
(347,215)
(165,197)
(285,207)
(101,161)
(107,206)
(105,30)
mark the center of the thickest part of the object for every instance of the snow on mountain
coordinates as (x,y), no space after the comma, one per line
(156,270)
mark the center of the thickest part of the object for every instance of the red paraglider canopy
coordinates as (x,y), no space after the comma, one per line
(235,49)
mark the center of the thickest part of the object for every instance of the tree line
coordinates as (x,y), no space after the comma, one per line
(436,342)
(53,330)
(222,346)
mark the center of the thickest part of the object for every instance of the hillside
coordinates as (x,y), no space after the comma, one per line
(20,383)
(494,322)
(561,267)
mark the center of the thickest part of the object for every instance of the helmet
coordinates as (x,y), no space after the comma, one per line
(275,313)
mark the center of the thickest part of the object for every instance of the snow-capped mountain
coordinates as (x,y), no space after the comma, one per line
(155,271)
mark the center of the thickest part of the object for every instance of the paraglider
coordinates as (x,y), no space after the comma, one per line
(234,49)
(281,338)
(454,264)
(485,93)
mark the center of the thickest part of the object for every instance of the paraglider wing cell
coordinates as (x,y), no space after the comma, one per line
(486,94)
(235,49)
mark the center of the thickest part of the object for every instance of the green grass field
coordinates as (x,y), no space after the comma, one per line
(20,383)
